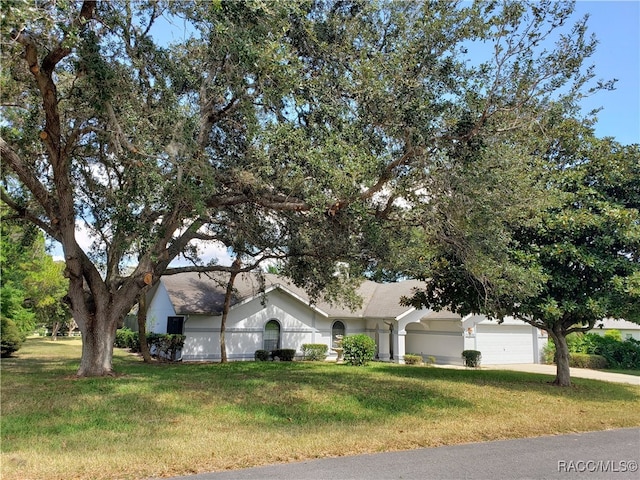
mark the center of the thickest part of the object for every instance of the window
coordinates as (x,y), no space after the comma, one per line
(272,335)
(175,325)
(337,329)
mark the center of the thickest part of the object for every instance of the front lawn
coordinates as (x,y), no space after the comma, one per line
(162,420)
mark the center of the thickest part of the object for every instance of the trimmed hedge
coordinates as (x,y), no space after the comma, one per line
(586,360)
(261,355)
(314,351)
(284,354)
(412,359)
(472,358)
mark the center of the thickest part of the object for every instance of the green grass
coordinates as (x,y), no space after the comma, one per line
(172,419)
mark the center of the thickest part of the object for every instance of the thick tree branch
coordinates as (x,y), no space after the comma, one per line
(40,193)
(23,212)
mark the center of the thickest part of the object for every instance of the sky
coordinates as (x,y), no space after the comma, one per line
(616,25)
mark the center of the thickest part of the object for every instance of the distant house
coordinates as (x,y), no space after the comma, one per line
(626,329)
(277,314)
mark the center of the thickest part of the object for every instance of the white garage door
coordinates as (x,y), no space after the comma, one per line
(503,344)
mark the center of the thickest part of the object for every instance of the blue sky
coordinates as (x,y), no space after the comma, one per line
(616,24)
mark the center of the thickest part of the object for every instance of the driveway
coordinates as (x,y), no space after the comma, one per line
(610,454)
(575,372)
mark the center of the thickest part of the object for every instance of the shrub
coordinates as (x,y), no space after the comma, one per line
(161,344)
(431,360)
(549,353)
(613,334)
(618,354)
(261,355)
(11,338)
(358,349)
(586,360)
(472,358)
(127,338)
(314,351)
(412,359)
(284,354)
(166,345)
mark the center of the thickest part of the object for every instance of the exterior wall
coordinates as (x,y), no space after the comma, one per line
(159,309)
(442,339)
(245,328)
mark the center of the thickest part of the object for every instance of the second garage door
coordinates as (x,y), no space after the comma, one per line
(504,344)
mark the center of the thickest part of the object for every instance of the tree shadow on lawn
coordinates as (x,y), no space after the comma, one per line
(275,395)
(514,381)
(295,392)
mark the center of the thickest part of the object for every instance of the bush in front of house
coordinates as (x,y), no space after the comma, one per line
(314,351)
(127,338)
(261,355)
(412,359)
(359,349)
(160,344)
(622,354)
(167,344)
(587,360)
(283,354)
(472,358)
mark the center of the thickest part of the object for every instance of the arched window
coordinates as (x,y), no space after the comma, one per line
(272,335)
(337,329)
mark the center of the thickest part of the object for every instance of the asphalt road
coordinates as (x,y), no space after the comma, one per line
(611,454)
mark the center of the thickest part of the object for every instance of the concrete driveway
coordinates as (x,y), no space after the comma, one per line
(610,454)
(575,372)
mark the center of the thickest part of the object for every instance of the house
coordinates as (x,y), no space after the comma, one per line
(277,314)
(627,329)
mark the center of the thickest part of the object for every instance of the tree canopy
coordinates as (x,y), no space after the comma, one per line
(32,286)
(293,128)
(580,252)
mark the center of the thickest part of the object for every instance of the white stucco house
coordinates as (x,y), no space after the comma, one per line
(280,315)
(627,329)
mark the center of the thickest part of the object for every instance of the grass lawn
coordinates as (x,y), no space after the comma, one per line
(162,420)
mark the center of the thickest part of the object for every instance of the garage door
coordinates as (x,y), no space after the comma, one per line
(503,344)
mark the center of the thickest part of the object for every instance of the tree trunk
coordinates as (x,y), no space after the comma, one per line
(72,326)
(55,330)
(563,373)
(98,336)
(142,326)
(237,264)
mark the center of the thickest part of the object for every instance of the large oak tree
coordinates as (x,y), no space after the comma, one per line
(299,123)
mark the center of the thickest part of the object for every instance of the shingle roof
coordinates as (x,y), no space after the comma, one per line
(193,293)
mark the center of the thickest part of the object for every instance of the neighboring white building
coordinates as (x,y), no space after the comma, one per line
(280,315)
(627,329)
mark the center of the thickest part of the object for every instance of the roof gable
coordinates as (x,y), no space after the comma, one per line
(194,293)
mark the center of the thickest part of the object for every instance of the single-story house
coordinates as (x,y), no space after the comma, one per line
(627,329)
(277,314)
